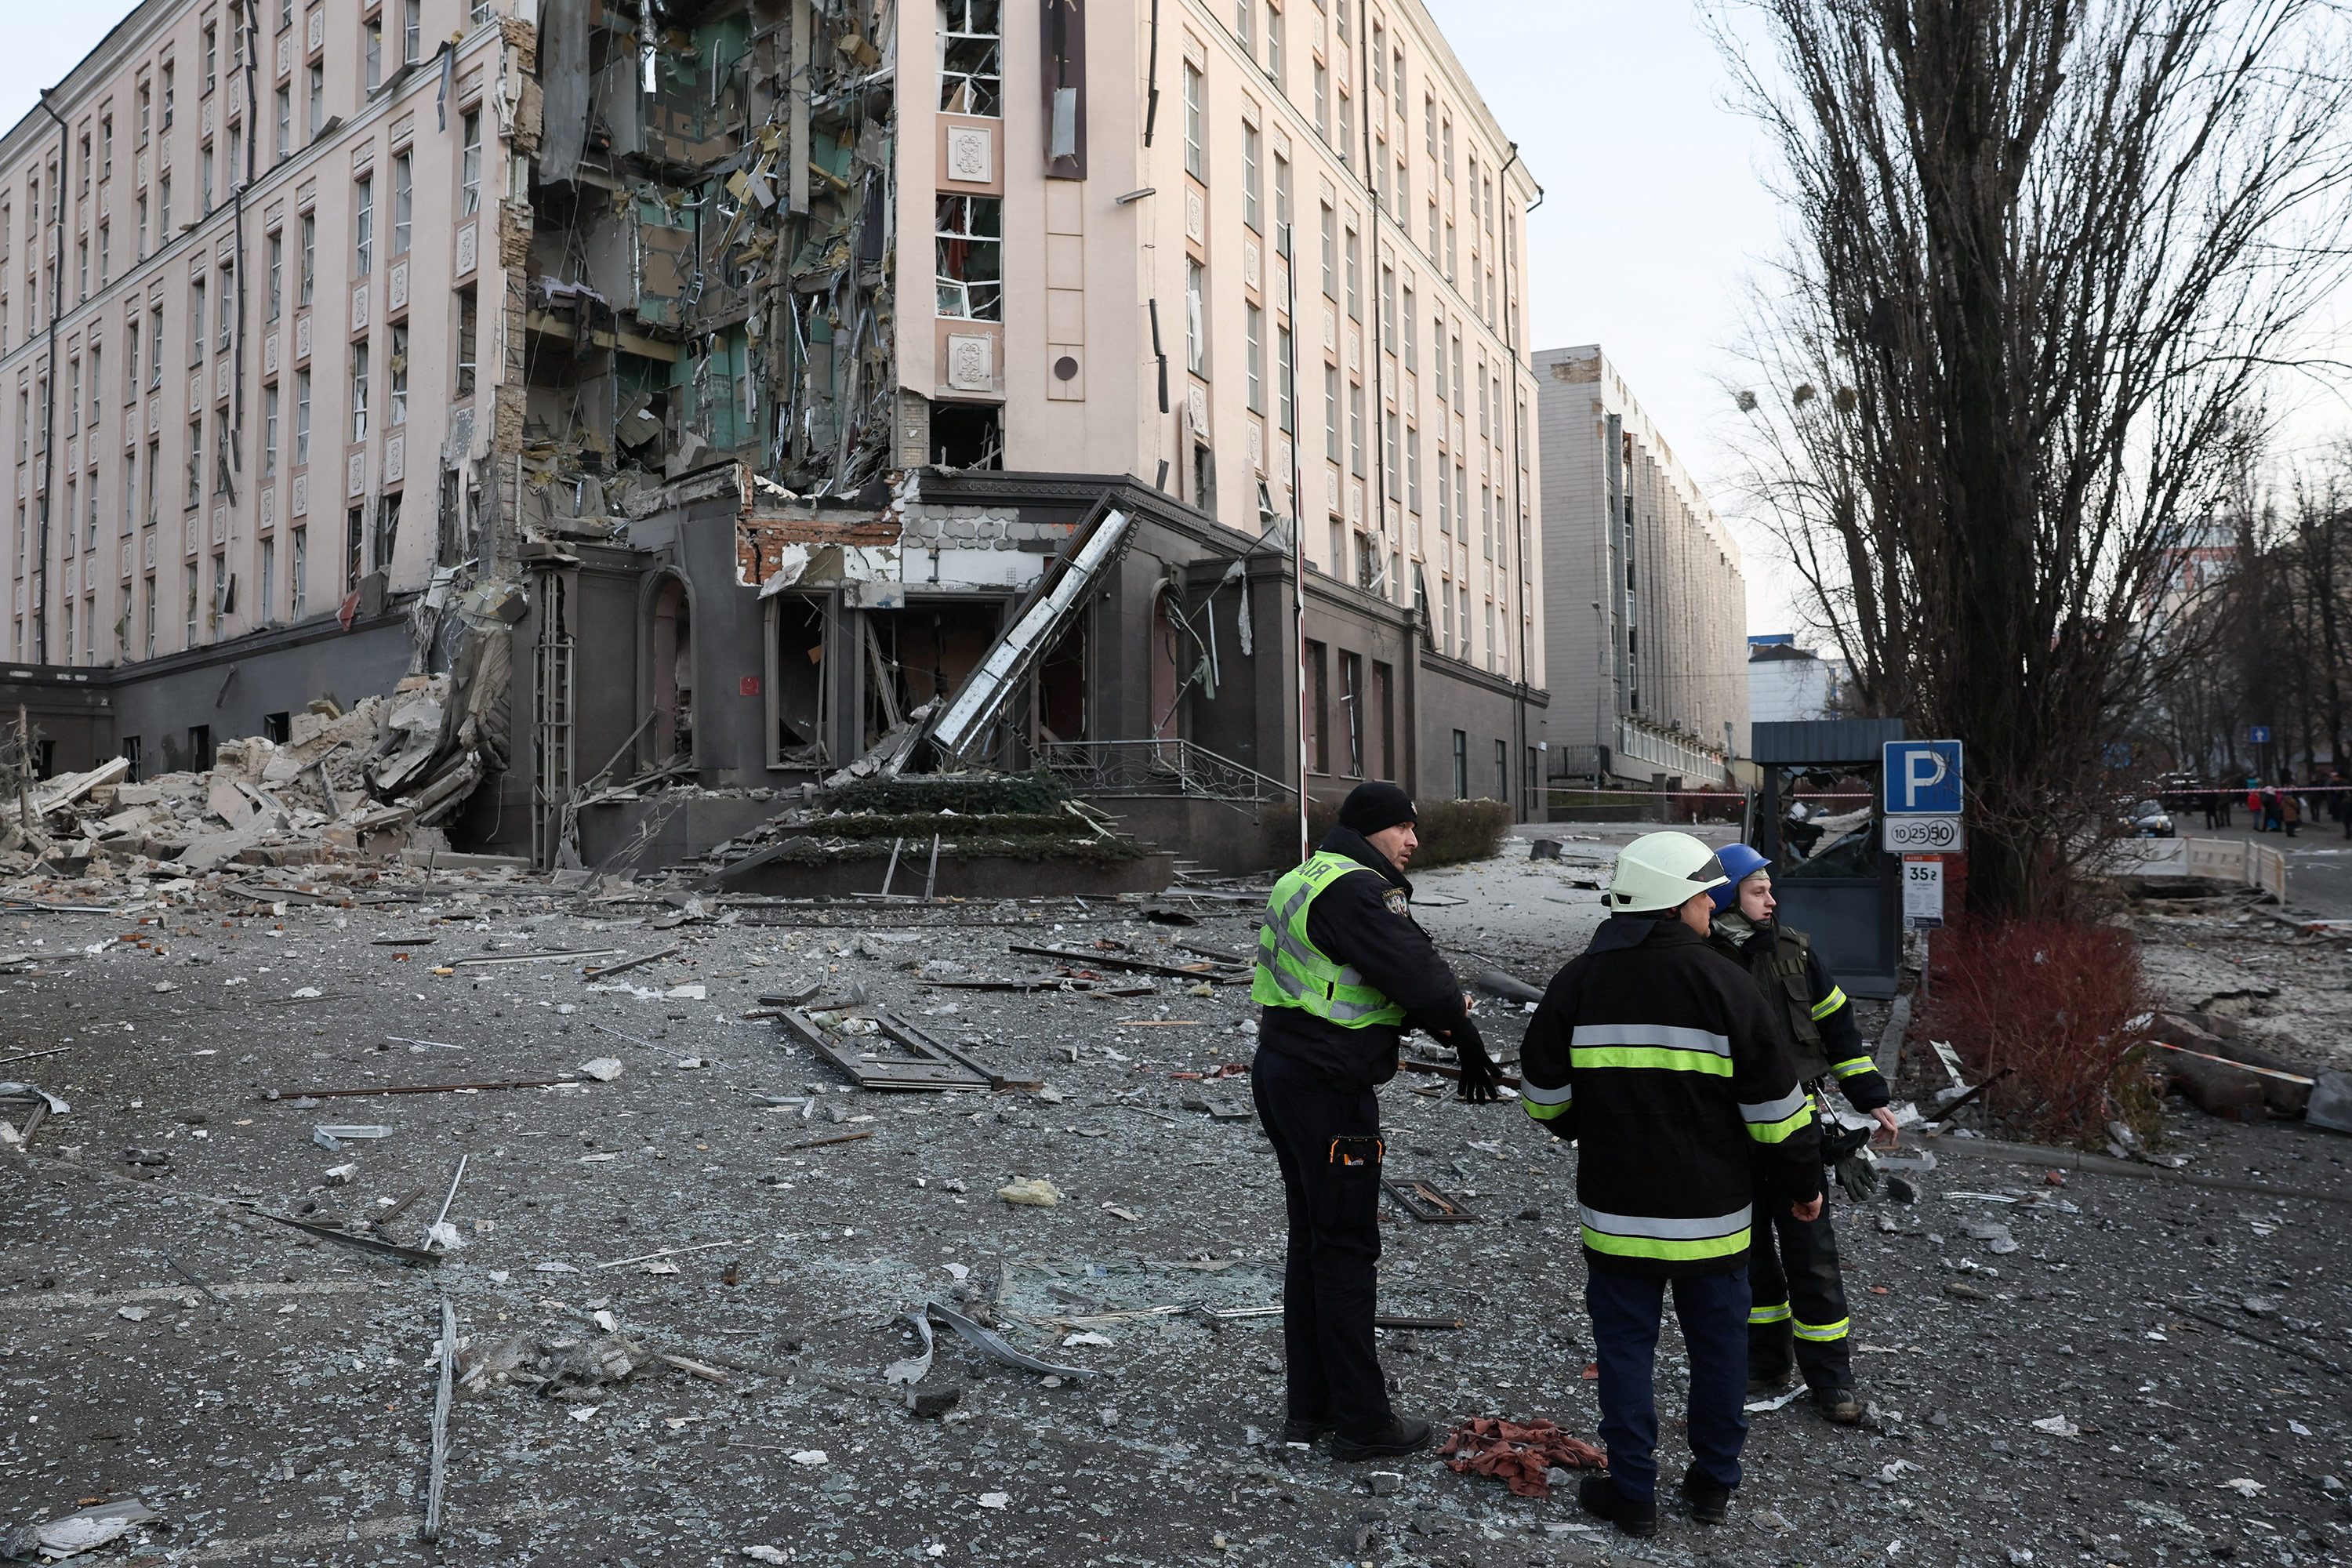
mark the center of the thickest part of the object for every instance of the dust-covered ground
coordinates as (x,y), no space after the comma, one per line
(2112,1371)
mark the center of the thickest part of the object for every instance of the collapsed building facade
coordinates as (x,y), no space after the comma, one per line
(726,382)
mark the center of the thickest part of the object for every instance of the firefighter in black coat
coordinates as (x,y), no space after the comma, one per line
(1799,1309)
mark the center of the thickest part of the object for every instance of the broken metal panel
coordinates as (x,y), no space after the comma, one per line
(1064,85)
(962,729)
(563,28)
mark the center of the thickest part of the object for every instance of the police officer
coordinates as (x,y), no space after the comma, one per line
(1658,1057)
(1793,1270)
(1342,969)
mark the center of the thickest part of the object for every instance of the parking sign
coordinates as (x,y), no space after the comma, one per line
(1920,778)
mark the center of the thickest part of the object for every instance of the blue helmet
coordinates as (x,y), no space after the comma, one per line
(1740,863)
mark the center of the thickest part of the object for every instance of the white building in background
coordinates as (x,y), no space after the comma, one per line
(1645,605)
(1786,682)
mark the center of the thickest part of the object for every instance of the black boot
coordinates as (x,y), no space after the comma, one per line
(1598,1495)
(1710,1503)
(1404,1435)
(1306,1428)
(1839,1405)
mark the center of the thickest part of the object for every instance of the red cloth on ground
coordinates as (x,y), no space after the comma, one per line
(1518,1452)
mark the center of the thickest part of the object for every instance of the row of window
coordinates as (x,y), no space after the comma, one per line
(1390,177)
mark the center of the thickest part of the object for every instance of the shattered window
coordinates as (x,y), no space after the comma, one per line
(403,200)
(358,391)
(466,343)
(969,267)
(971,70)
(1196,324)
(1254,336)
(1283,366)
(1195,162)
(1250,214)
(470,185)
(398,366)
(364,229)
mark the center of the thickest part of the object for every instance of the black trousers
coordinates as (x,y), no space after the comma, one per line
(1797,1296)
(1329,1286)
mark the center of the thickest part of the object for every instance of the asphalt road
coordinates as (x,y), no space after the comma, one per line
(2319,860)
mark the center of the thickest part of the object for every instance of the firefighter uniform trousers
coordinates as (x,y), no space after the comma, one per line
(1797,1298)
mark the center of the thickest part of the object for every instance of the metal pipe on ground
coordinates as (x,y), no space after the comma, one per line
(2100,1164)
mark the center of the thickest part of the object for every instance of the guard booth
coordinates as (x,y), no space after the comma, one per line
(1833,881)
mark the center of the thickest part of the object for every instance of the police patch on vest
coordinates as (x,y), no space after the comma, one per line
(1397,901)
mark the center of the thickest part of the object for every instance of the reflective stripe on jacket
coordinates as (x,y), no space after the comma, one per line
(1292,971)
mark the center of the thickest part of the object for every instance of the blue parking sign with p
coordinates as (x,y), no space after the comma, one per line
(1921,778)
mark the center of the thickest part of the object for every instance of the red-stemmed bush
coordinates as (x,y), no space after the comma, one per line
(2061,1006)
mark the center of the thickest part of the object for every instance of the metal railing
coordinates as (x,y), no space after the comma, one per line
(1157,767)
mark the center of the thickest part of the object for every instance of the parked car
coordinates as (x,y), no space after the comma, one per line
(2149,819)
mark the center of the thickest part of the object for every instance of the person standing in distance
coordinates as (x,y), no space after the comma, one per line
(1655,1054)
(1342,970)
(1799,1312)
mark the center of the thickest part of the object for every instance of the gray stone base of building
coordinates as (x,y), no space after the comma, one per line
(1170,702)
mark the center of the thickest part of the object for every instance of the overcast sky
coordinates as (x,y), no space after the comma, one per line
(1655,210)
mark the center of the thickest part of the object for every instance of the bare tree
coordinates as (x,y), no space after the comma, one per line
(2048,254)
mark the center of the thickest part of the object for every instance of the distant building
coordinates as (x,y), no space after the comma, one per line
(1644,605)
(1786,682)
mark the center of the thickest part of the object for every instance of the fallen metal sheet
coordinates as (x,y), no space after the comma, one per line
(551,957)
(439,1474)
(360,1242)
(268,895)
(914,1368)
(76,1532)
(971,716)
(992,1343)
(822,1142)
(433,1087)
(179,1269)
(1425,1203)
(1205,970)
(919,1062)
(598,972)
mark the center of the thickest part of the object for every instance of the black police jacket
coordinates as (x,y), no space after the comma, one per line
(1367,920)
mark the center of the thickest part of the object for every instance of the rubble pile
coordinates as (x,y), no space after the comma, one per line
(880,1350)
(372,781)
(948,816)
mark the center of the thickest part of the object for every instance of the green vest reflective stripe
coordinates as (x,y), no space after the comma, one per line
(1292,971)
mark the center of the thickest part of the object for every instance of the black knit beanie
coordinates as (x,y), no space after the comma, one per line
(1370,808)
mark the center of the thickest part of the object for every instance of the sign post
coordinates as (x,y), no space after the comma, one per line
(1921,799)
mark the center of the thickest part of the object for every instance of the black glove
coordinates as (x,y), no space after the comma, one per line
(1481,1081)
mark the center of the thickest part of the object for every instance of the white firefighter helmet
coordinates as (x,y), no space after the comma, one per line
(1662,871)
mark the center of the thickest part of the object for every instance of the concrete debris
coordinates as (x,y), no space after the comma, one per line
(73,1533)
(569,1367)
(341,788)
(1034,1193)
(705,1233)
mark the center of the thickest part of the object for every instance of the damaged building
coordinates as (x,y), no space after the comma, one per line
(713,389)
